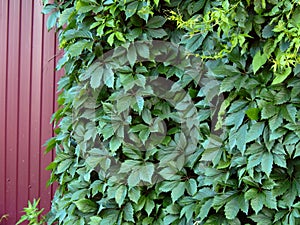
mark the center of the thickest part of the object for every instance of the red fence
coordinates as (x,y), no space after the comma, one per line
(27,100)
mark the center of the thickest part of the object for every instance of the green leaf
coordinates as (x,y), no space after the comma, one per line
(178,191)
(134,194)
(110,217)
(270,201)
(108,77)
(262,219)
(86,205)
(278,133)
(149,206)
(282,96)
(156,22)
(138,128)
(144,135)
(83,7)
(280,160)
(95,220)
(205,209)
(275,122)
(73,33)
(146,172)
(133,179)
(251,193)
(169,219)
(120,36)
(289,113)
(128,212)
(243,203)
(297,151)
(107,131)
(228,83)
(188,211)
(110,39)
(267,32)
(252,113)
(65,15)
(167,186)
(191,186)
(231,209)
(131,9)
(235,119)
(120,194)
(268,111)
(156,2)
(254,160)
(64,165)
(241,138)
(48,8)
(115,143)
(194,42)
(257,202)
(258,61)
(267,163)
(143,50)
(131,55)
(96,77)
(156,33)
(223,198)
(140,102)
(146,116)
(51,21)
(255,131)
(79,194)
(77,48)
(280,77)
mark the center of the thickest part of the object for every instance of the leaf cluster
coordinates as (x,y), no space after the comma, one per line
(130,151)
(32,214)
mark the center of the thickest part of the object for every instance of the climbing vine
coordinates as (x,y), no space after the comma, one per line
(176,112)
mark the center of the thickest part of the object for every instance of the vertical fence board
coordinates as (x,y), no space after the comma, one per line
(35,142)
(27,101)
(24,109)
(12,107)
(3,69)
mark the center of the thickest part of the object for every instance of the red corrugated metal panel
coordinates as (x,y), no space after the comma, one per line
(3,69)
(24,116)
(27,100)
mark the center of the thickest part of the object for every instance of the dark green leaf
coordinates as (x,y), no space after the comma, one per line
(258,61)
(156,33)
(267,32)
(131,9)
(178,191)
(241,138)
(267,163)
(156,22)
(255,131)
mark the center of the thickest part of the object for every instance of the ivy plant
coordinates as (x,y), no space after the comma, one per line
(176,112)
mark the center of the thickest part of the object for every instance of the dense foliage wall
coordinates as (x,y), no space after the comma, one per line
(177,112)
